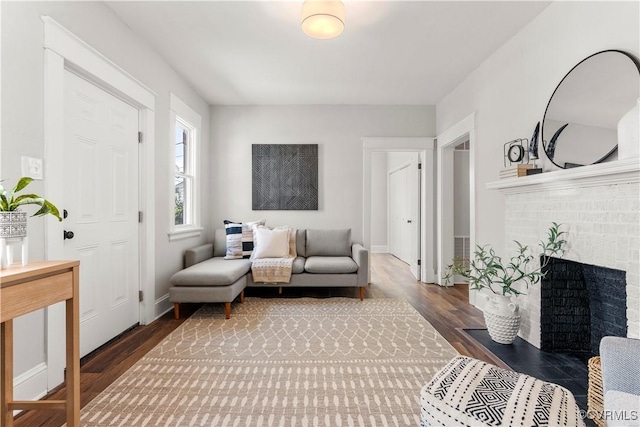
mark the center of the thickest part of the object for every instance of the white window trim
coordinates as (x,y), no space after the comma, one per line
(178,109)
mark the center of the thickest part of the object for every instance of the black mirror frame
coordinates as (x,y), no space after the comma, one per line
(544,143)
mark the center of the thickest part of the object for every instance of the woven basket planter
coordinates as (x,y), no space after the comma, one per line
(595,399)
(13,224)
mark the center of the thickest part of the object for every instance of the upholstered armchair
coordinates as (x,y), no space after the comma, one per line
(620,359)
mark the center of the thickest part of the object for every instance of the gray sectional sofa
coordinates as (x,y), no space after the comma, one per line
(325,258)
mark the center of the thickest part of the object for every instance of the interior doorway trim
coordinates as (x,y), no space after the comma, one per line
(65,51)
(447,141)
(425,146)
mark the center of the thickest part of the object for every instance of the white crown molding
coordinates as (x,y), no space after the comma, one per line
(617,172)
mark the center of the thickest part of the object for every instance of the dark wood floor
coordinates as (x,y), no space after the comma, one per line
(447,309)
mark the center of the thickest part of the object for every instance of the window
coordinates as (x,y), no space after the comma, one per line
(185,195)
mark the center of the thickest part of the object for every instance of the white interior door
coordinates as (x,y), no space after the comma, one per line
(398,232)
(404,214)
(101,200)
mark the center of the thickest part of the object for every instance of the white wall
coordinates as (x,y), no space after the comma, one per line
(337,130)
(23,130)
(510,90)
(379,211)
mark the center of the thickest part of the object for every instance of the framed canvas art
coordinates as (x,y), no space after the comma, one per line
(284,176)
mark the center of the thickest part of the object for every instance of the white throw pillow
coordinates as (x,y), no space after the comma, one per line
(270,243)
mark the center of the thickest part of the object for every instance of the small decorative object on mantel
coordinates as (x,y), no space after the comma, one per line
(533,151)
(488,271)
(13,222)
(515,153)
(519,170)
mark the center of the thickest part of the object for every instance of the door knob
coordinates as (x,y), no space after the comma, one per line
(409,221)
(68,234)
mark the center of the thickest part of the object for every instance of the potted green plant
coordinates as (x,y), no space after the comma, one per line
(13,221)
(489,271)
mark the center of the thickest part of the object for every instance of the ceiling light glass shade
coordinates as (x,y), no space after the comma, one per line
(322,19)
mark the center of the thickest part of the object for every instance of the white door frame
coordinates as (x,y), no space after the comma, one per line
(447,141)
(63,50)
(424,146)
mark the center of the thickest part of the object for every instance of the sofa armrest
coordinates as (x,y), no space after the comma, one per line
(620,368)
(361,256)
(198,254)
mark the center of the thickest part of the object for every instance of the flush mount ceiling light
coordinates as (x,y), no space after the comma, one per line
(322,19)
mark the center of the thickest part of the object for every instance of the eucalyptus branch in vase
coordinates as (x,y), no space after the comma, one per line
(487,270)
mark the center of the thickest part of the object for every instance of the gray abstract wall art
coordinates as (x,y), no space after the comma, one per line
(284,176)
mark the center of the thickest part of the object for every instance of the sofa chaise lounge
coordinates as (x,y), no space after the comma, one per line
(324,258)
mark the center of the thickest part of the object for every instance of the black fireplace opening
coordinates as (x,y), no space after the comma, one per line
(580,304)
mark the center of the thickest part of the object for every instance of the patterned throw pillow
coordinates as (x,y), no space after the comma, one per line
(240,238)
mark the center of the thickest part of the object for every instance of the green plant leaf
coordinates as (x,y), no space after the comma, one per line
(27,201)
(23,182)
(26,196)
(52,209)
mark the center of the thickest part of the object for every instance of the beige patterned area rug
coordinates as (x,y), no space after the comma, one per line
(282,362)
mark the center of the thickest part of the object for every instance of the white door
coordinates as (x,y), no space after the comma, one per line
(404,214)
(101,202)
(397,213)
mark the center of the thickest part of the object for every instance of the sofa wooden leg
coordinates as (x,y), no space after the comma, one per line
(242,297)
(227,310)
(176,310)
(279,290)
(362,293)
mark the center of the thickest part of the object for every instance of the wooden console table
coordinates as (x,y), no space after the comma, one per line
(26,289)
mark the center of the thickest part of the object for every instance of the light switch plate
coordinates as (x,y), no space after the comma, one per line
(32,167)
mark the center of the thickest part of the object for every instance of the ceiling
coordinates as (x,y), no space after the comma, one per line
(391,52)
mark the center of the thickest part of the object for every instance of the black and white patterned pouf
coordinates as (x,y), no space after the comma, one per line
(469,392)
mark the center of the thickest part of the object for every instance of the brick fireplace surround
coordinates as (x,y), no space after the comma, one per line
(599,207)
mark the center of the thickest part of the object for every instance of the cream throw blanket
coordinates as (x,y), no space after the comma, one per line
(275,270)
(272,270)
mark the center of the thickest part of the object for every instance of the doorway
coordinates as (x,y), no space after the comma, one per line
(376,207)
(461,133)
(461,235)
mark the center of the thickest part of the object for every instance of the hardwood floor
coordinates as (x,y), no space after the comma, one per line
(447,309)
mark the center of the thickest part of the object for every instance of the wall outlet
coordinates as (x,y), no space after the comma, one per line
(32,167)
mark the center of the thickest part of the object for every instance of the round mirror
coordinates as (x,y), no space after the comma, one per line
(591,104)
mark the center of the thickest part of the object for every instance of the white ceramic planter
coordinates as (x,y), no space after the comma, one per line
(502,317)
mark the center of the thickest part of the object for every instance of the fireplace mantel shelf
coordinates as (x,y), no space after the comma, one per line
(617,172)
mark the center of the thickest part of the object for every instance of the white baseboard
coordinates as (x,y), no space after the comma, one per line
(379,249)
(162,306)
(31,385)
